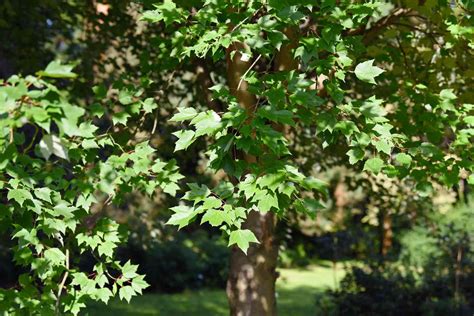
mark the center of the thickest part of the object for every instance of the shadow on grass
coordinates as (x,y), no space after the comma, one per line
(298,301)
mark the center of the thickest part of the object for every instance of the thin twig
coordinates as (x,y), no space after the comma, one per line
(63,281)
(32,140)
(168,83)
(11,135)
(244,20)
(405,59)
(109,198)
(247,71)
(155,123)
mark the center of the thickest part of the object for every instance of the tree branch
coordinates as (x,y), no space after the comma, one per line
(370,34)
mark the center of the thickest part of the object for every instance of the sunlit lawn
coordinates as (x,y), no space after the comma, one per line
(297,291)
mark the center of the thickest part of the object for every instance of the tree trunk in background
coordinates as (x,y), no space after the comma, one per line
(457,276)
(386,234)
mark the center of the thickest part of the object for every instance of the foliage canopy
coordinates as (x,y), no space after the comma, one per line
(381,86)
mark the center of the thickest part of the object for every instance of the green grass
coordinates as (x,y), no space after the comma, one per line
(297,291)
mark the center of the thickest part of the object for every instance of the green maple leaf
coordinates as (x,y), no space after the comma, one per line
(89,143)
(266,200)
(447,94)
(384,146)
(129,270)
(212,202)
(206,123)
(103,294)
(26,236)
(55,256)
(62,209)
(469,120)
(184,114)
(383,130)
(242,238)
(373,110)
(315,184)
(374,165)
(19,195)
(197,192)
(171,188)
(120,118)
(470,179)
(125,97)
(280,116)
(185,138)
(355,154)
(53,145)
(138,284)
(43,194)
(166,12)
(215,217)
(56,70)
(126,293)
(149,105)
(271,181)
(182,216)
(309,206)
(403,159)
(87,129)
(248,186)
(106,248)
(365,71)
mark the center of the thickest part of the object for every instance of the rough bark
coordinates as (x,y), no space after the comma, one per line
(251,281)
(284,60)
(252,277)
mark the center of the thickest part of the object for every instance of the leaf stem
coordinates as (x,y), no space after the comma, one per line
(61,285)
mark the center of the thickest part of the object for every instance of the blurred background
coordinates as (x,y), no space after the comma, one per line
(377,247)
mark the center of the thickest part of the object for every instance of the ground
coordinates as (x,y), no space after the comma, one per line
(297,293)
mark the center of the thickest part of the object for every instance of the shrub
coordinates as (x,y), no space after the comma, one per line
(190,261)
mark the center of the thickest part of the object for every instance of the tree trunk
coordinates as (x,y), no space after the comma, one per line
(252,277)
(457,277)
(251,282)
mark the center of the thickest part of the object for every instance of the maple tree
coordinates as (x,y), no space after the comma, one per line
(385,83)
